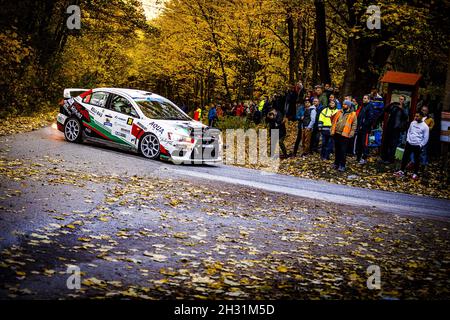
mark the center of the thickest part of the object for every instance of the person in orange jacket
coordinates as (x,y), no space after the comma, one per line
(343,129)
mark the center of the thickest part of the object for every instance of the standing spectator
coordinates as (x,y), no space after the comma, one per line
(315,137)
(198,114)
(430,123)
(325,128)
(328,90)
(336,101)
(299,117)
(416,139)
(396,124)
(309,119)
(355,106)
(374,94)
(212,116)
(309,96)
(278,122)
(219,111)
(363,130)
(240,110)
(234,109)
(343,128)
(291,99)
(321,96)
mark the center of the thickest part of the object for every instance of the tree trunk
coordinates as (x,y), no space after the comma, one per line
(290,25)
(322,54)
(314,77)
(360,75)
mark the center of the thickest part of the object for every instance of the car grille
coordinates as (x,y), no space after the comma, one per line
(207,148)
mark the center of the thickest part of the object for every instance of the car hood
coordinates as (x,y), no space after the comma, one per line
(181,127)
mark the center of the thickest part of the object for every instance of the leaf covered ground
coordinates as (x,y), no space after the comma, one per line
(151,238)
(373,175)
(19,124)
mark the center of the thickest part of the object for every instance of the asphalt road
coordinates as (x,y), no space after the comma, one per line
(50,142)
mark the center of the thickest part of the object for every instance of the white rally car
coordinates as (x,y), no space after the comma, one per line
(137,120)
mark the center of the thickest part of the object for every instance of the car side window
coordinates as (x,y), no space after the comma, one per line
(97,99)
(123,105)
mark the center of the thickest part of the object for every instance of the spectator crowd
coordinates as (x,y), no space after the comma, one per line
(331,125)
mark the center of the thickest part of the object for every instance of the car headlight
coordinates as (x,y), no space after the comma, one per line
(180,138)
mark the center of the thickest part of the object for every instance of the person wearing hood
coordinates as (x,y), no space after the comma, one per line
(309,119)
(416,139)
(343,128)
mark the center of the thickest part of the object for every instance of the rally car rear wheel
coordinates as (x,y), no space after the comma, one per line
(149,146)
(72,130)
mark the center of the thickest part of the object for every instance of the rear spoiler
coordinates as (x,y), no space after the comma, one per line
(73,92)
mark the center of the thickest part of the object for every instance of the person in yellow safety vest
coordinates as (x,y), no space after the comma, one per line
(343,127)
(198,114)
(325,128)
(261,104)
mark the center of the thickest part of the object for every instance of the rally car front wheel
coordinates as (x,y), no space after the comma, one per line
(149,146)
(72,130)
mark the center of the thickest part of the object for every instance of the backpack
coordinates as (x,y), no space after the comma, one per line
(377,110)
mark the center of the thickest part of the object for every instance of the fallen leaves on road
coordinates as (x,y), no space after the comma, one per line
(151,239)
(19,124)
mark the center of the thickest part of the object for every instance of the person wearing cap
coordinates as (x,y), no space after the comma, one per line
(343,128)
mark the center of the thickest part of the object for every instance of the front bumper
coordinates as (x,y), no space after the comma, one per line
(204,150)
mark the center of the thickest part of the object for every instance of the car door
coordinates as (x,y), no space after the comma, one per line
(122,115)
(96,103)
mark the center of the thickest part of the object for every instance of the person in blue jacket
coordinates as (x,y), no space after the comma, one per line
(212,116)
(299,117)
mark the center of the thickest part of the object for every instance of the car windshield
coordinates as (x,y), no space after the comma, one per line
(161,109)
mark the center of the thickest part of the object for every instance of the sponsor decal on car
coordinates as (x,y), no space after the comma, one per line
(120,118)
(125,130)
(97,112)
(61,118)
(156,127)
(141,126)
(120,134)
(107,123)
(130,121)
(79,111)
